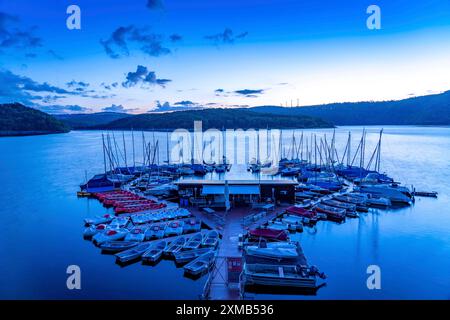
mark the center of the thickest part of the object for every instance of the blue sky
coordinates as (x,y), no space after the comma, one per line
(134,56)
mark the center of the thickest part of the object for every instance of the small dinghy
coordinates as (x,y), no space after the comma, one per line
(133,253)
(342,205)
(192,225)
(155,252)
(278,225)
(98,220)
(201,264)
(117,246)
(211,239)
(175,246)
(109,235)
(120,222)
(155,232)
(194,242)
(174,228)
(92,230)
(331,212)
(136,234)
(186,256)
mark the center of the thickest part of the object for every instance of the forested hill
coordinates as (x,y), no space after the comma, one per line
(424,110)
(214,118)
(16,119)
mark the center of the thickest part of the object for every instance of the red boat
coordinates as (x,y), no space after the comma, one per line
(301,212)
(269,234)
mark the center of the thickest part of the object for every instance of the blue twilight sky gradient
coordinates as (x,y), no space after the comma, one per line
(220,53)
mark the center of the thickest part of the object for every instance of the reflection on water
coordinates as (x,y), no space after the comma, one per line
(41,229)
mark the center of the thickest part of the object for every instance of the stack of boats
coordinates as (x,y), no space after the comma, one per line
(127,202)
(271,259)
(180,239)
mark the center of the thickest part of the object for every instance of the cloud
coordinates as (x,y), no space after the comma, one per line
(177,106)
(143,77)
(63,109)
(118,109)
(149,43)
(219,91)
(249,93)
(77,84)
(155,4)
(176,37)
(226,37)
(13,37)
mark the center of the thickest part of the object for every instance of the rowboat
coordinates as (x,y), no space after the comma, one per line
(174,228)
(154,252)
(295,223)
(133,253)
(194,242)
(301,212)
(109,235)
(189,255)
(155,232)
(211,239)
(341,205)
(201,264)
(278,225)
(175,246)
(98,220)
(117,246)
(136,234)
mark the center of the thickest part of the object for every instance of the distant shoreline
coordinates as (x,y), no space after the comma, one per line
(28,133)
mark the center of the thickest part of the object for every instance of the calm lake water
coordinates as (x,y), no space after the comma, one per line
(42,223)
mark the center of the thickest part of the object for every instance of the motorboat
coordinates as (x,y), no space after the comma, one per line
(154,252)
(395,193)
(273,250)
(268,234)
(279,275)
(133,253)
(201,264)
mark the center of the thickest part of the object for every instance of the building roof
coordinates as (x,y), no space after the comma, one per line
(200,182)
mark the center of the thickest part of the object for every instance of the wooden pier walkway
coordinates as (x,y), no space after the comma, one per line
(219,285)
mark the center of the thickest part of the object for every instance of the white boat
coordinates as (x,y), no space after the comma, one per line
(278,275)
(155,232)
(201,264)
(189,255)
(133,253)
(92,230)
(117,246)
(277,225)
(175,246)
(276,251)
(194,242)
(109,235)
(211,239)
(154,252)
(395,194)
(174,228)
(192,225)
(136,234)
(119,222)
(98,220)
(295,222)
